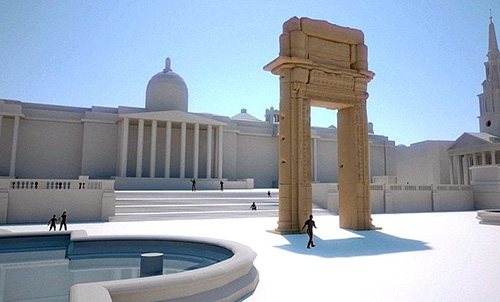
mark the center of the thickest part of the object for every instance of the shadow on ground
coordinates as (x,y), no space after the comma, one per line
(369,243)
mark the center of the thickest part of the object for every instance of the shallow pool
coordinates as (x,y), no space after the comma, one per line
(38,268)
(50,277)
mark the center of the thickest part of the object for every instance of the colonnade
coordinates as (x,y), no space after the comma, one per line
(460,164)
(214,141)
(13,152)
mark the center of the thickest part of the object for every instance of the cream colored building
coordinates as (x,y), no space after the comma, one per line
(58,154)
(483,148)
(161,146)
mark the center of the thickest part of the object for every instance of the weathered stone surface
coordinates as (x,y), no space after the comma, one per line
(325,65)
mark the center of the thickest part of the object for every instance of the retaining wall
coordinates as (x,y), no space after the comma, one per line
(36,200)
(393,198)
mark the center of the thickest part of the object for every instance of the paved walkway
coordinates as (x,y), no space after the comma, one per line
(415,257)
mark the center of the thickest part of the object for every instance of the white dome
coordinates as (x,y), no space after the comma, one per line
(167,91)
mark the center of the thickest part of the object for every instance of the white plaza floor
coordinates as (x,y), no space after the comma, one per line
(415,257)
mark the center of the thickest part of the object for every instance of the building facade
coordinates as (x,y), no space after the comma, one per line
(160,146)
(163,146)
(483,148)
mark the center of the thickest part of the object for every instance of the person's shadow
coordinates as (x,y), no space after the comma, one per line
(369,243)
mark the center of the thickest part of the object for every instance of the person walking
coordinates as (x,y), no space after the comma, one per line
(52,222)
(193,185)
(63,219)
(221,183)
(310,224)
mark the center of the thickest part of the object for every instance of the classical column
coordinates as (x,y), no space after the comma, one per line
(460,176)
(288,222)
(1,120)
(168,147)
(451,169)
(13,154)
(124,147)
(152,160)
(140,148)
(493,157)
(354,179)
(483,158)
(295,198)
(209,151)
(182,170)
(196,149)
(465,164)
(220,153)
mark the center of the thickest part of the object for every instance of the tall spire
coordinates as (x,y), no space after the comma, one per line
(489,100)
(493,52)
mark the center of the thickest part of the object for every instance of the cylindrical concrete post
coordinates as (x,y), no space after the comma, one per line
(151,264)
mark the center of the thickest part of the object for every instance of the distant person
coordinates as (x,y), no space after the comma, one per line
(193,185)
(52,222)
(221,185)
(253,207)
(63,219)
(268,193)
(309,224)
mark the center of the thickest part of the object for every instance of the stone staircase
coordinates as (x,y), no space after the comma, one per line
(183,205)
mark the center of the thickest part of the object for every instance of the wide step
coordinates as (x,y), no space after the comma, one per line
(182,205)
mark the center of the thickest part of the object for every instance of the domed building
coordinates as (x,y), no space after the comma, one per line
(160,146)
(167,91)
(163,146)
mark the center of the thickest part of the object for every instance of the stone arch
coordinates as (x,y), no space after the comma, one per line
(324,65)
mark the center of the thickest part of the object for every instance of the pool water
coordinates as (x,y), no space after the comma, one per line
(48,275)
(43,266)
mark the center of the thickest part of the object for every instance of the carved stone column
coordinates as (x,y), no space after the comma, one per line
(295,199)
(354,184)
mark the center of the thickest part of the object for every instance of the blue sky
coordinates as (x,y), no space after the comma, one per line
(428,56)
